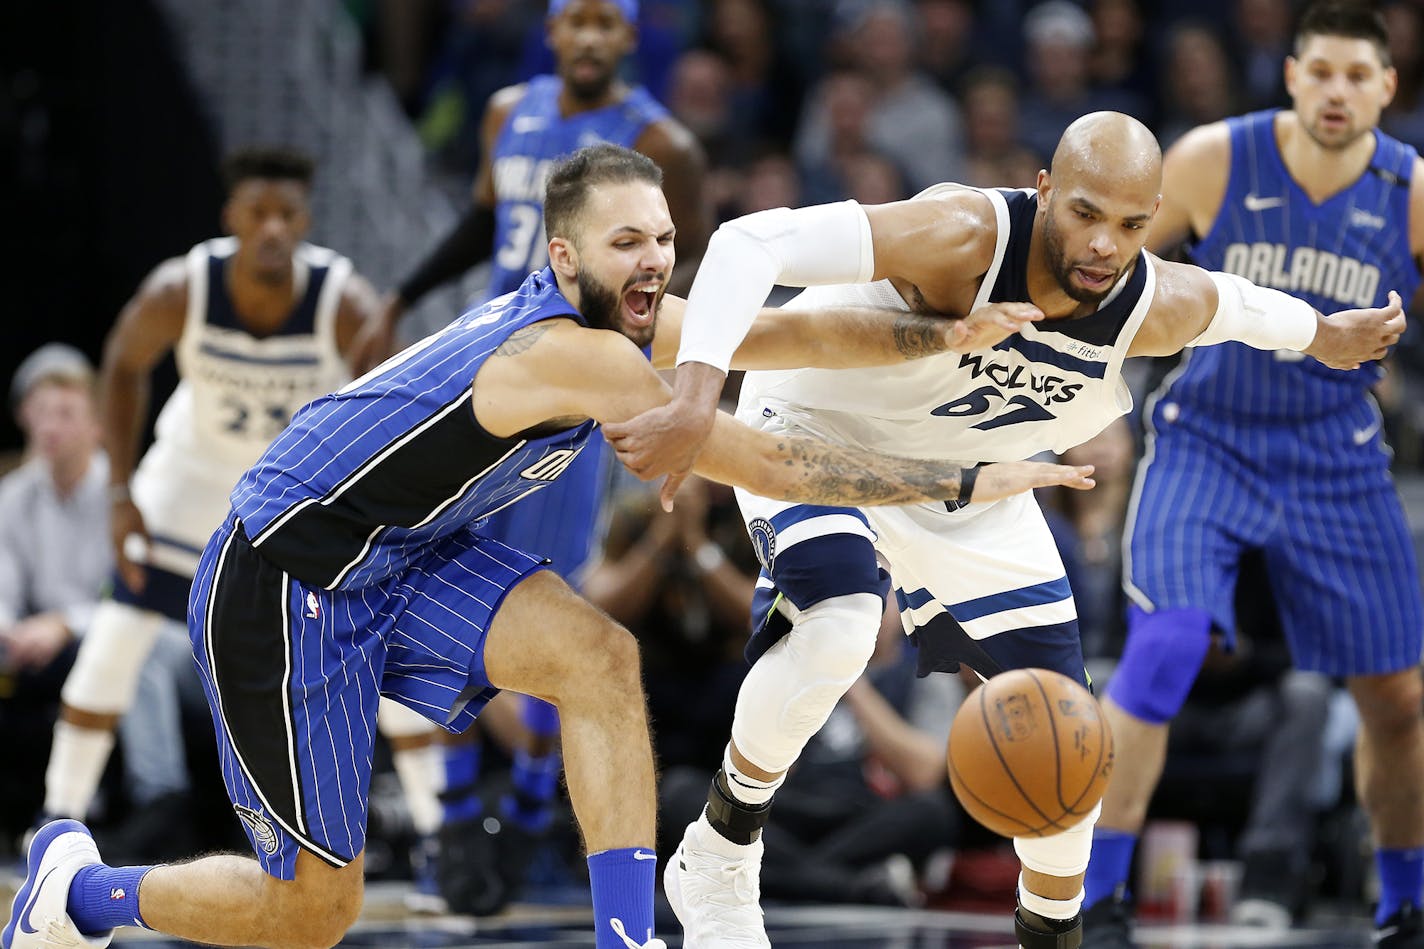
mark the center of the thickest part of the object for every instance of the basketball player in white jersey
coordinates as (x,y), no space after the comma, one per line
(260,323)
(980,584)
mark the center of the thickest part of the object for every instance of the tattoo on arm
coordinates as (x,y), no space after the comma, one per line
(917,335)
(522,339)
(829,474)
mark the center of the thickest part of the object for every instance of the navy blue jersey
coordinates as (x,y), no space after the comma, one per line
(534,136)
(1346,252)
(366,479)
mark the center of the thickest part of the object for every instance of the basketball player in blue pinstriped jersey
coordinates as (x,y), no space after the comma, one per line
(351,566)
(980,584)
(1265,450)
(525,128)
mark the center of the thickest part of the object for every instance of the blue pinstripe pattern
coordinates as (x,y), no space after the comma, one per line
(418,638)
(1260,450)
(326,465)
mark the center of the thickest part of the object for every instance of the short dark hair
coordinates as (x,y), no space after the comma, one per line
(1354,19)
(578,174)
(276,163)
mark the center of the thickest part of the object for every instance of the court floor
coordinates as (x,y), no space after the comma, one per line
(567,923)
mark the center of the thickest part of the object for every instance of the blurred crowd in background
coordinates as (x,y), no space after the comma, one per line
(794,102)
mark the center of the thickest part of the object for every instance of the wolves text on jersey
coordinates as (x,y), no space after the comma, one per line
(1304,270)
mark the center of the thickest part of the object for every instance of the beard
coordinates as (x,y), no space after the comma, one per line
(1062,268)
(602,309)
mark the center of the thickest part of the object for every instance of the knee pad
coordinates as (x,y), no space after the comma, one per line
(1062,855)
(1160,662)
(541,718)
(791,690)
(111,655)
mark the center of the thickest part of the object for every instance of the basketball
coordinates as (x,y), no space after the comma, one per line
(1029,753)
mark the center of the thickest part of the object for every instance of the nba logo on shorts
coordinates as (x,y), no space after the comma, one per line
(763,537)
(261,827)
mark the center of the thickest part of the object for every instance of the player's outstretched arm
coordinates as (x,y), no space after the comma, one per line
(811,471)
(850,337)
(1194,307)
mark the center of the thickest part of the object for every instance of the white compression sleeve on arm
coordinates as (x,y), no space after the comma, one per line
(1257,316)
(807,247)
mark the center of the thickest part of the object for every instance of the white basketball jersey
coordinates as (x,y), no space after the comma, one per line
(236,393)
(1050,387)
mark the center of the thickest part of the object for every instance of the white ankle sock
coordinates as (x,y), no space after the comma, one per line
(422,773)
(746,789)
(76,763)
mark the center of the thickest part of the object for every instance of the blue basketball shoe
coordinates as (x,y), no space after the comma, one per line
(39,917)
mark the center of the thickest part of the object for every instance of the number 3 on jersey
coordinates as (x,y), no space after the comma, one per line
(524,247)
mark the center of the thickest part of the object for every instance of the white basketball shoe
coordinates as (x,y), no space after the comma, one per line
(39,917)
(717,899)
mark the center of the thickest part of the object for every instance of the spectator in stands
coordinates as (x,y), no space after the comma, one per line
(54,558)
(996,158)
(911,119)
(1198,84)
(1059,40)
(1263,40)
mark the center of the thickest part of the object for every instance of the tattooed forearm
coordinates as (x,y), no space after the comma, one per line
(522,339)
(830,474)
(917,335)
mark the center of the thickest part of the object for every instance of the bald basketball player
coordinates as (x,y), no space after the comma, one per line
(980,584)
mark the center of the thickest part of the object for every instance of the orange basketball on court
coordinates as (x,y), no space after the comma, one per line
(1029,753)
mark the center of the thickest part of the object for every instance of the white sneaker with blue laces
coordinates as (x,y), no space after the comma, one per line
(39,917)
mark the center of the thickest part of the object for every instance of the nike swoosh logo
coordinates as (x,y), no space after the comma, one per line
(641,855)
(1365,434)
(1254,203)
(25,926)
(1382,934)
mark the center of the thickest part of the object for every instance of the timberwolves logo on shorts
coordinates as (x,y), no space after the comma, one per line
(260,826)
(763,537)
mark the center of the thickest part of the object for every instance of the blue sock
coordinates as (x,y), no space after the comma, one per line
(103,897)
(535,779)
(1109,865)
(461,800)
(622,883)
(1401,878)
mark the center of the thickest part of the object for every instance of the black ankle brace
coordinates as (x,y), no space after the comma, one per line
(738,822)
(1040,932)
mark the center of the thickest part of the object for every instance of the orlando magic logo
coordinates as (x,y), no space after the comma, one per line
(263,833)
(763,537)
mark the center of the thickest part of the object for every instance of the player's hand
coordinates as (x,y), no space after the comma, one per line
(1349,338)
(1008,478)
(126,521)
(667,440)
(377,339)
(34,641)
(990,325)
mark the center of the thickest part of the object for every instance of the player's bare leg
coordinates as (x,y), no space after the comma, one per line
(1389,779)
(548,642)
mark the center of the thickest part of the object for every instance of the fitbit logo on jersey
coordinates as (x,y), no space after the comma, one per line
(1307,270)
(551,465)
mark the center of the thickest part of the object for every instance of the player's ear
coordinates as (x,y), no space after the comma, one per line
(563,257)
(1045,187)
(1291,65)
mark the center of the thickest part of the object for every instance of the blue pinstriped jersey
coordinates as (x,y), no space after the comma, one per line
(534,136)
(1348,251)
(366,479)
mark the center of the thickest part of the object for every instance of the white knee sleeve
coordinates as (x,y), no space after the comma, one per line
(105,673)
(399,721)
(791,690)
(1062,855)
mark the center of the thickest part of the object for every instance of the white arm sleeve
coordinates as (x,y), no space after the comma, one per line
(1257,316)
(807,247)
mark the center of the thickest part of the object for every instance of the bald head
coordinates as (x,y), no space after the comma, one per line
(1104,148)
